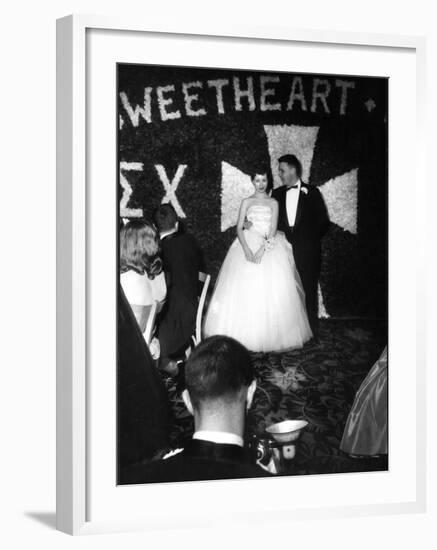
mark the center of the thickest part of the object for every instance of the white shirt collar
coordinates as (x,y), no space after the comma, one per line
(219,437)
(168,232)
(299,185)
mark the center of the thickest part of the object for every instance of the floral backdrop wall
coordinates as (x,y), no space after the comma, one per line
(191,136)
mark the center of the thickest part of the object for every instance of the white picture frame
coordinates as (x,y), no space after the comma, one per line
(73,210)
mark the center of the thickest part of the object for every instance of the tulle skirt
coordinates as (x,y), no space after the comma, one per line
(260,305)
(365,432)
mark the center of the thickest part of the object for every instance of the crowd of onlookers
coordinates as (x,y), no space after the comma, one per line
(160,262)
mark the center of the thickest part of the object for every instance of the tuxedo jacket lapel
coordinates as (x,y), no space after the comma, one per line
(282,196)
(282,199)
(300,207)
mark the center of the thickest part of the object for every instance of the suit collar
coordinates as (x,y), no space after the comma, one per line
(283,188)
(216,451)
(297,185)
(165,236)
(219,437)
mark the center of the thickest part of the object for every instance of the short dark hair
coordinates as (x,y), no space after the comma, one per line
(218,368)
(292,160)
(165,217)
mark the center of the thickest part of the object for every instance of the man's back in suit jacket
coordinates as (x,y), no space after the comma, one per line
(200,460)
(182,262)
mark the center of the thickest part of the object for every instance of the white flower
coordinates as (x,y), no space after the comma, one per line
(155,348)
(269,244)
(304,190)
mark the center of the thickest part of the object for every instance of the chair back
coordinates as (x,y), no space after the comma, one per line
(205,280)
(150,324)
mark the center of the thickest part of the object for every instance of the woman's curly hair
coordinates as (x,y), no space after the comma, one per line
(140,248)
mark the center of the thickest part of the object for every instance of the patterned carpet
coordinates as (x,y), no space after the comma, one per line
(317,383)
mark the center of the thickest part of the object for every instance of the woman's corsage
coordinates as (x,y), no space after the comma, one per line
(269,244)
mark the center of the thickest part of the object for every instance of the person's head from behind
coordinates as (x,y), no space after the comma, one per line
(220,383)
(166,218)
(290,169)
(139,248)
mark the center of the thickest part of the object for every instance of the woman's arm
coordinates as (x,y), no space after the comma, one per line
(158,287)
(240,230)
(274,226)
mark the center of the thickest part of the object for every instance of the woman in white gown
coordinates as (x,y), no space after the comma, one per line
(258,298)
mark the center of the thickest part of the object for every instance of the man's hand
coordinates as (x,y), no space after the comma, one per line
(247,224)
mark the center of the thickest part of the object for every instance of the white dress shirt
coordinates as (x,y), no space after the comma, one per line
(291,203)
(219,437)
(213,437)
(168,232)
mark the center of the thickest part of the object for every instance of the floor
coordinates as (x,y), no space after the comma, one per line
(317,383)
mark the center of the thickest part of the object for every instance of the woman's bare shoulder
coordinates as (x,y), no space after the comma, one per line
(247,201)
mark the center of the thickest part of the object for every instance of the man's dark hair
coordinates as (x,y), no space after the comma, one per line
(218,369)
(165,217)
(292,160)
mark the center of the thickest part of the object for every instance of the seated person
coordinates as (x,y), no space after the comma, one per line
(182,261)
(141,274)
(220,385)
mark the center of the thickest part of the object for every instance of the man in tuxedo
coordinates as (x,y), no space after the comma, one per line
(304,219)
(182,261)
(220,385)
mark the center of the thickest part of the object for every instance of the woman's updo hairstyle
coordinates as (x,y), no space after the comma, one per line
(263,170)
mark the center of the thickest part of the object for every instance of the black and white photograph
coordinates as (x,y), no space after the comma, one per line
(252,325)
(219,298)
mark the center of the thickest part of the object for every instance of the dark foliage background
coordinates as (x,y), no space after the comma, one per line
(355,270)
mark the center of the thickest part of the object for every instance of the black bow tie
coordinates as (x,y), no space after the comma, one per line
(292,187)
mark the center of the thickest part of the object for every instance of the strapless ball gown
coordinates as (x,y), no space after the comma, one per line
(260,305)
